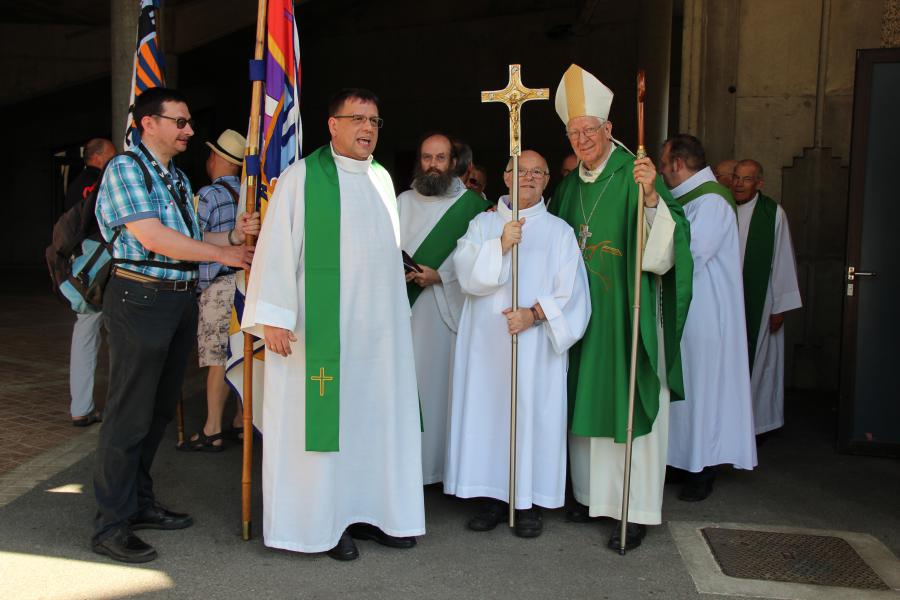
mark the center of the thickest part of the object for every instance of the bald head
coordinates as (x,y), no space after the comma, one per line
(724,171)
(533,177)
(97,152)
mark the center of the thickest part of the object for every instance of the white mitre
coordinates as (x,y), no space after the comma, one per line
(581,94)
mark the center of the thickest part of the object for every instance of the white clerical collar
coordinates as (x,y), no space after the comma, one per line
(691,183)
(453,192)
(591,175)
(351,164)
(505,211)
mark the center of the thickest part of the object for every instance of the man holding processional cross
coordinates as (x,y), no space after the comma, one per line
(341,414)
(599,200)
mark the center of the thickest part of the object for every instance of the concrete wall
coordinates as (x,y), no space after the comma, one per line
(752,88)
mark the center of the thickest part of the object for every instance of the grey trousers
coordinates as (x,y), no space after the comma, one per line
(83,363)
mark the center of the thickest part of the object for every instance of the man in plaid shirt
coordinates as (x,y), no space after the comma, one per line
(216,208)
(150,312)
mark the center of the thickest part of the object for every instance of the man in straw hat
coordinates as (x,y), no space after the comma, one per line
(599,199)
(216,209)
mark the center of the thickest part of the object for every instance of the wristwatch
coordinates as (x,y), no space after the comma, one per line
(537,319)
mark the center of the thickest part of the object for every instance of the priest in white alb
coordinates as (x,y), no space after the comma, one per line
(554,308)
(770,289)
(714,425)
(434,214)
(341,429)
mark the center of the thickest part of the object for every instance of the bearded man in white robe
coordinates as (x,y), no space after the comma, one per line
(770,289)
(434,214)
(341,456)
(553,314)
(714,424)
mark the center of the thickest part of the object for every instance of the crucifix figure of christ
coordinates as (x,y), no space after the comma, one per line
(514,95)
(583,234)
(322,378)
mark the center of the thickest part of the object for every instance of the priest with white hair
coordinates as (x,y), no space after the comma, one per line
(599,200)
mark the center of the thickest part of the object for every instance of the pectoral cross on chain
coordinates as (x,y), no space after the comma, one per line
(322,378)
(583,234)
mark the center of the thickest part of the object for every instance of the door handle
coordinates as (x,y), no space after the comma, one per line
(852,274)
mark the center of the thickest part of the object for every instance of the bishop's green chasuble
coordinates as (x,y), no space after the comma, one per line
(599,363)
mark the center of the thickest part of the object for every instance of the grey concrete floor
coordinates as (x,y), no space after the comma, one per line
(801,481)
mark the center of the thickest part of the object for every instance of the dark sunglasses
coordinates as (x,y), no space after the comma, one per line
(180,122)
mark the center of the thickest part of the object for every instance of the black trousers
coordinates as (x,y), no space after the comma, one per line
(150,335)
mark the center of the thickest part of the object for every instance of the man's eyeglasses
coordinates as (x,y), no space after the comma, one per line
(588,132)
(536,172)
(180,122)
(358,120)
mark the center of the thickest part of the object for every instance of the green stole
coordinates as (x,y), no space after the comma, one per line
(441,241)
(709,187)
(757,266)
(599,362)
(322,294)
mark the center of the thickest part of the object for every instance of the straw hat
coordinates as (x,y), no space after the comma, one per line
(230,146)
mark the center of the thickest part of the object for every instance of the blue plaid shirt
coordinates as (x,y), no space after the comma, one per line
(123,198)
(216,211)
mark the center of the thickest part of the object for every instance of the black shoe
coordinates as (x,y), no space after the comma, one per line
(124,546)
(492,513)
(365,531)
(345,549)
(529,522)
(634,534)
(579,513)
(696,491)
(87,420)
(158,516)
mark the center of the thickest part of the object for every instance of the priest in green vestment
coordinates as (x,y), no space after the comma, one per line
(599,200)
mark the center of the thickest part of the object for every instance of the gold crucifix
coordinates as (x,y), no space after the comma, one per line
(322,378)
(514,95)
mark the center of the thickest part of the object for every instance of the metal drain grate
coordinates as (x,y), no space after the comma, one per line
(790,557)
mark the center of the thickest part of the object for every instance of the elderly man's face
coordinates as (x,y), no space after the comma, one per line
(746,183)
(590,139)
(476,181)
(533,178)
(351,139)
(725,172)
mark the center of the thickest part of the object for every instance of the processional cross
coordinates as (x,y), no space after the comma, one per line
(514,95)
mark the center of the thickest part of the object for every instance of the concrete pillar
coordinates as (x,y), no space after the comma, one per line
(654,56)
(123,36)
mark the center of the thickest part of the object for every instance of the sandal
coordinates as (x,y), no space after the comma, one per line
(86,420)
(204,443)
(235,433)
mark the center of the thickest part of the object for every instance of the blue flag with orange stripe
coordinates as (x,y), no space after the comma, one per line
(149,64)
(279,146)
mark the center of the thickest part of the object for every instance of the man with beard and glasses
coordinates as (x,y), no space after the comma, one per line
(434,214)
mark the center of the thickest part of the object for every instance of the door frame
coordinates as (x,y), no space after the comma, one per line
(862,102)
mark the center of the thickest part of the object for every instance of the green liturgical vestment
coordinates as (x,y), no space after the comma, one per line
(599,363)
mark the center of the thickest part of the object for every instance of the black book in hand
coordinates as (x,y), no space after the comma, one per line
(409,265)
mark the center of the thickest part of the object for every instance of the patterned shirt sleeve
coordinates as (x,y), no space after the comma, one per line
(125,198)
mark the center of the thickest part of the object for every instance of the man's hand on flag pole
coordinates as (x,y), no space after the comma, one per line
(278,340)
(247,224)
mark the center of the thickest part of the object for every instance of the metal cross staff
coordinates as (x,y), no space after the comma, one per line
(513,96)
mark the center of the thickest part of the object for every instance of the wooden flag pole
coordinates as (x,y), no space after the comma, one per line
(513,96)
(635,317)
(252,199)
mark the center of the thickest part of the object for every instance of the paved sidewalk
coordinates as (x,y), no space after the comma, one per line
(46,507)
